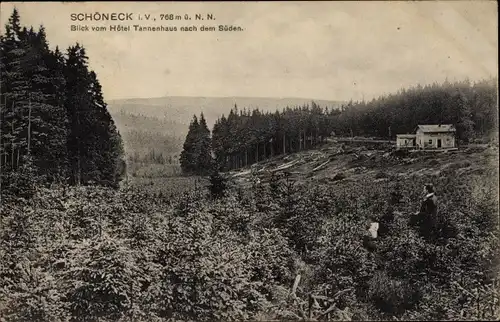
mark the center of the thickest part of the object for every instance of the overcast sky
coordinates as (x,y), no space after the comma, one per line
(323,50)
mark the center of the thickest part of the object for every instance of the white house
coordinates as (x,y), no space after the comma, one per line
(435,136)
(440,136)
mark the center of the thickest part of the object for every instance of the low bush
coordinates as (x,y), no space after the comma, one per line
(339,176)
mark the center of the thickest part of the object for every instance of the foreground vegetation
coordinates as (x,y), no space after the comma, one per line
(88,253)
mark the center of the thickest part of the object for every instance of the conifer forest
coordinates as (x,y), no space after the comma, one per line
(264,216)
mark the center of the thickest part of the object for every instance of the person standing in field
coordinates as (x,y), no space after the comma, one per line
(429,205)
(426,217)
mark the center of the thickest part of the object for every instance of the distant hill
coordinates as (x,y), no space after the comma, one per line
(128,121)
(180,109)
(141,134)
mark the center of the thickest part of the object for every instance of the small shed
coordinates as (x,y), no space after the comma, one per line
(406,141)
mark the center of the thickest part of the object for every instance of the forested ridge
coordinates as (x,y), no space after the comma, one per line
(55,126)
(180,109)
(248,136)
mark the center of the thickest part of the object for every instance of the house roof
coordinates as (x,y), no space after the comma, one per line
(437,128)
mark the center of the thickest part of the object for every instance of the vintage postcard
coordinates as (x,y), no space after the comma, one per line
(249,161)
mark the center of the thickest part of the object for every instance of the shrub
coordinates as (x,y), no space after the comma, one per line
(21,183)
(390,295)
(217,185)
(339,176)
(34,296)
(381,174)
(101,280)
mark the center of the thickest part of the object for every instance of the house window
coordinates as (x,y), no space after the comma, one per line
(430,141)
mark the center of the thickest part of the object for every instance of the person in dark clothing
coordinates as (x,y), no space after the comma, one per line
(426,217)
(429,205)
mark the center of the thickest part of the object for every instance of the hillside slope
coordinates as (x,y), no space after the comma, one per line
(335,162)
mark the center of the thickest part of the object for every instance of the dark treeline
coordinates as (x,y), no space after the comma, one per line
(245,137)
(54,121)
(471,107)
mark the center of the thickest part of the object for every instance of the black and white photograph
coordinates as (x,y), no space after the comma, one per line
(249,161)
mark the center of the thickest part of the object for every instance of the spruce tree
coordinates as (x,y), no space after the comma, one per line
(203,150)
(218,185)
(94,144)
(107,148)
(188,157)
(11,54)
(60,157)
(220,143)
(15,90)
(77,106)
(47,120)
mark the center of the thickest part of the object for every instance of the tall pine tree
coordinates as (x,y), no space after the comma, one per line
(203,151)
(78,107)
(94,144)
(188,157)
(47,119)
